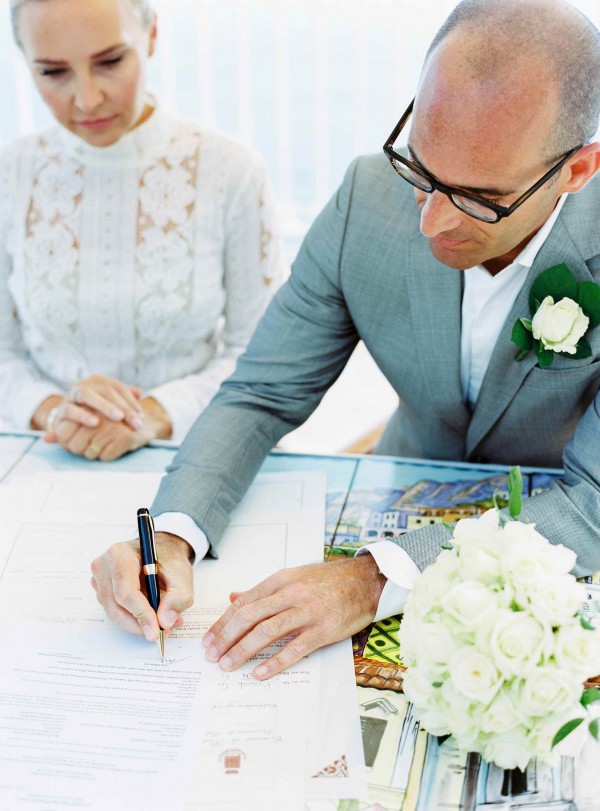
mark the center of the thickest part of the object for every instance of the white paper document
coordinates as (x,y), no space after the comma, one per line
(96,721)
(85,705)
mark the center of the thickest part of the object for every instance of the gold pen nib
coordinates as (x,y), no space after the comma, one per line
(160,643)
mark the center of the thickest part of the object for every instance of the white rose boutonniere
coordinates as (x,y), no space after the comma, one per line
(496,646)
(559,326)
(562,310)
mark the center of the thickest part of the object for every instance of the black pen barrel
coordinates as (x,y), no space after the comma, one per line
(152,590)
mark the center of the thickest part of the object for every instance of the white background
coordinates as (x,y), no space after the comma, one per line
(309,83)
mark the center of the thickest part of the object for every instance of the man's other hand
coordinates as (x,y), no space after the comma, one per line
(315,605)
(118,582)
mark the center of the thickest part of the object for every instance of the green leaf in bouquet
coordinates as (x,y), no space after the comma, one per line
(557,281)
(586,624)
(594,730)
(515,491)
(521,336)
(590,695)
(588,298)
(565,730)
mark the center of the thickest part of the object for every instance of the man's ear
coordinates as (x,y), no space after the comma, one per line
(582,166)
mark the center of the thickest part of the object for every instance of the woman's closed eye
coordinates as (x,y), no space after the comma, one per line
(105,63)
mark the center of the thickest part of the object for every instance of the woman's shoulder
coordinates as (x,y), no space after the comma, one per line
(12,153)
(215,145)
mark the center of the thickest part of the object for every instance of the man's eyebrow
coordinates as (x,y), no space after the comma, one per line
(99,55)
(473,189)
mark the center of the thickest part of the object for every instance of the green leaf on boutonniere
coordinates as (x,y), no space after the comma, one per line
(586,625)
(593,728)
(557,282)
(522,337)
(588,298)
(582,350)
(544,356)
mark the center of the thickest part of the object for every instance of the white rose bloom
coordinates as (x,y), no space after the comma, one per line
(435,644)
(481,560)
(474,675)
(578,650)
(555,599)
(523,566)
(509,750)
(432,584)
(461,717)
(542,734)
(470,603)
(559,326)
(418,688)
(548,690)
(434,721)
(559,559)
(476,529)
(409,636)
(518,642)
(501,715)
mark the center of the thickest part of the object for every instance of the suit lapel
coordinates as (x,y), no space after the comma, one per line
(436,297)
(505,375)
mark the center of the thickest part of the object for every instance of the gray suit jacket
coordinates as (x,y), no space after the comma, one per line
(365,271)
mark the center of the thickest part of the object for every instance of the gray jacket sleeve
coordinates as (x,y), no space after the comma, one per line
(298,350)
(567,513)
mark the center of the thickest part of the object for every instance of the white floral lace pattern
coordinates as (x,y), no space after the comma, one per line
(165,253)
(147,261)
(51,249)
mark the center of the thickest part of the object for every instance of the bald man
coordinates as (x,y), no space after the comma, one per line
(430,265)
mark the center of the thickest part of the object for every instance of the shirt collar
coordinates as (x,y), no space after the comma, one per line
(527,256)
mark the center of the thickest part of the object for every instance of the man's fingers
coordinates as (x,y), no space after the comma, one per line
(117,578)
(294,650)
(177,585)
(272,629)
(240,599)
(249,625)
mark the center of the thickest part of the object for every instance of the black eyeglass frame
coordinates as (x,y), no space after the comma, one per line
(500,211)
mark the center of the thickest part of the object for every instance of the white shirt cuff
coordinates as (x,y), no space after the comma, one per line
(400,570)
(184,527)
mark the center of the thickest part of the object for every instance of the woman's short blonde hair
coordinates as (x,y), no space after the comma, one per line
(144,7)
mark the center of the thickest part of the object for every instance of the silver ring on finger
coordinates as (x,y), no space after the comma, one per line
(74,394)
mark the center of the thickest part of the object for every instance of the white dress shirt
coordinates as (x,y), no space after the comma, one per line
(487,301)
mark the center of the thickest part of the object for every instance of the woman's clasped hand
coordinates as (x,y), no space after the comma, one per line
(102,418)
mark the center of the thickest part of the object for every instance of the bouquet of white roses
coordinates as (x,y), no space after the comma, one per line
(496,649)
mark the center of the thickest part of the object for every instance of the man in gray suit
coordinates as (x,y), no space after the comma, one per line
(432,274)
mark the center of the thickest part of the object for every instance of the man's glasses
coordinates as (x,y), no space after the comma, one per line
(471,204)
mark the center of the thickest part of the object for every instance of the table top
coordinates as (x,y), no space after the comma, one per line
(368,498)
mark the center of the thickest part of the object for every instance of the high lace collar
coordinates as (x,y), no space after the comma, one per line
(148,138)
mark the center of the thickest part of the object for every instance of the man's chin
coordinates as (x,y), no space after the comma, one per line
(452,257)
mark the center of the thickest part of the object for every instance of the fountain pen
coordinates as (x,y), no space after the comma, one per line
(150,566)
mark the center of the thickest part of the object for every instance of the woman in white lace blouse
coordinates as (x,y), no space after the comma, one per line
(137,251)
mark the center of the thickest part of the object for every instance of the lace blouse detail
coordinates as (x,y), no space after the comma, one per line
(149,261)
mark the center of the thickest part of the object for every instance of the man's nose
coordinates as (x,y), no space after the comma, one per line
(438,214)
(88,94)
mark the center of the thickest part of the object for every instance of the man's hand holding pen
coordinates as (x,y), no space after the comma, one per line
(311,606)
(118,581)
